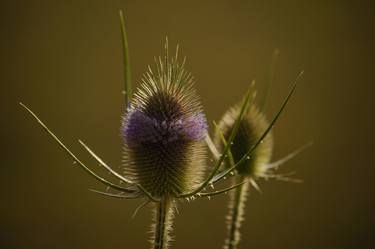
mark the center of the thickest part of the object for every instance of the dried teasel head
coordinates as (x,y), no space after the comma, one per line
(163,131)
(250,130)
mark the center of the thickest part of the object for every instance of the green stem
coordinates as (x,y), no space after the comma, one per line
(235,215)
(163,219)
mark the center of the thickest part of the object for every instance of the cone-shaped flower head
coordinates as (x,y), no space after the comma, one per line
(251,128)
(164,130)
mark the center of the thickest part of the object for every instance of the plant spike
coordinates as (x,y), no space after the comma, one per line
(139,208)
(148,194)
(120,177)
(290,156)
(102,163)
(282,177)
(115,195)
(222,157)
(255,185)
(126,61)
(250,151)
(235,186)
(83,166)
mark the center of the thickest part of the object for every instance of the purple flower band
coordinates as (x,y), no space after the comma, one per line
(140,128)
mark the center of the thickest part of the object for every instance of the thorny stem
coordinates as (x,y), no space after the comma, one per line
(235,214)
(163,223)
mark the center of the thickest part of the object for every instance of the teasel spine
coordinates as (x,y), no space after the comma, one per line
(236,210)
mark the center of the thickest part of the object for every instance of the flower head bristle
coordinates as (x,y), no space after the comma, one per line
(163,131)
(250,130)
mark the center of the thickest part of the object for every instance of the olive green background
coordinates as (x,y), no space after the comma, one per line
(63,59)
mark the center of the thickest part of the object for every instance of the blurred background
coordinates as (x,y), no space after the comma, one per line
(63,59)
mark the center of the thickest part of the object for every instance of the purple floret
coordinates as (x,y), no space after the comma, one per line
(139,128)
(195,127)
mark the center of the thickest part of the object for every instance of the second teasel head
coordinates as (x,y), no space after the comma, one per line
(251,128)
(164,130)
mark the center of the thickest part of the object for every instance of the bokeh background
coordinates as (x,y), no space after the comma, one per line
(63,59)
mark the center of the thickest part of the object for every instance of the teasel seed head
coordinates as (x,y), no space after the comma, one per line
(163,131)
(250,130)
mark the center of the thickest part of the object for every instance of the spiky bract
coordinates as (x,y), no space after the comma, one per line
(250,130)
(163,132)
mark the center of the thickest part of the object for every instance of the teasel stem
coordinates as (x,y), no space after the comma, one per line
(235,216)
(163,223)
(237,200)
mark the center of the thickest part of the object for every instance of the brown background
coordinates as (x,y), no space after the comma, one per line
(63,58)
